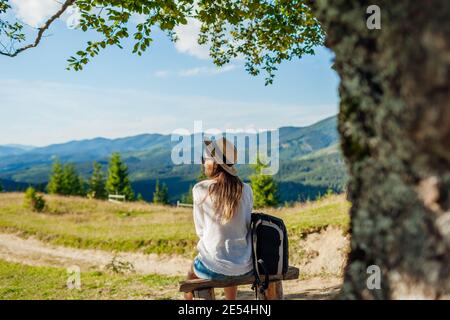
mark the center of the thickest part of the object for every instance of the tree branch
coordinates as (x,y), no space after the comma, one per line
(42,29)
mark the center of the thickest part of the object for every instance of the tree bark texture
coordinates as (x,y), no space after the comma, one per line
(394,123)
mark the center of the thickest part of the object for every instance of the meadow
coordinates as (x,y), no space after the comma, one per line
(136,227)
(84,223)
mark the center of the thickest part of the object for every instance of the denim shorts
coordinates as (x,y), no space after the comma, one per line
(203,272)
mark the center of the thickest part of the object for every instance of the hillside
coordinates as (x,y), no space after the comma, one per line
(310,162)
(13,150)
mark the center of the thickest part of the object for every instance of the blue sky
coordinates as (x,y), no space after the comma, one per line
(168,88)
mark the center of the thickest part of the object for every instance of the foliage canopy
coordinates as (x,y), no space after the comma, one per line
(262,32)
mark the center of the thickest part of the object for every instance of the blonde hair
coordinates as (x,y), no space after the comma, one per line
(226,193)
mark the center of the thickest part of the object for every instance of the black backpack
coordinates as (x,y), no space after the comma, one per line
(270,249)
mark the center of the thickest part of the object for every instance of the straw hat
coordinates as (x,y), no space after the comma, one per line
(223,152)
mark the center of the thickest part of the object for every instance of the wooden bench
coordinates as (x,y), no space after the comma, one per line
(116,198)
(204,289)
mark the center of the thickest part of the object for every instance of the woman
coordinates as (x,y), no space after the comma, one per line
(222,213)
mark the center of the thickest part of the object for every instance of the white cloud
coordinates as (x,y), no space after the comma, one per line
(46,113)
(161,73)
(188,40)
(35,12)
(193,72)
(206,71)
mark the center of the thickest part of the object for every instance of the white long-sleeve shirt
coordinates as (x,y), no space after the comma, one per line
(223,248)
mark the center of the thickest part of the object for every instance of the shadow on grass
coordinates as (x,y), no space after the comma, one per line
(328,293)
(324,293)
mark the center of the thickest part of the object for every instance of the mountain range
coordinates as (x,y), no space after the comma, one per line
(310,162)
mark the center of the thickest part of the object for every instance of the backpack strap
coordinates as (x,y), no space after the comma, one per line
(257,282)
(258,263)
(266,274)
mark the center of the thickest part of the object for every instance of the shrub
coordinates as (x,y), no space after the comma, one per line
(120,267)
(34,201)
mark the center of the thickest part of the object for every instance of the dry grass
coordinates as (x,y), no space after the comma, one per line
(312,216)
(84,223)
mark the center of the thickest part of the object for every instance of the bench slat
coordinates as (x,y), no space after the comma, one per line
(197,284)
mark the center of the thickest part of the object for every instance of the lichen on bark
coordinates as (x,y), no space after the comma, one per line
(395,127)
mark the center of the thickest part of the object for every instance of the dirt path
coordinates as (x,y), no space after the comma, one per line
(37,253)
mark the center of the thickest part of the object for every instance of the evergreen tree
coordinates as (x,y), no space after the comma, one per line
(72,184)
(1,187)
(118,181)
(188,197)
(55,185)
(140,197)
(161,194)
(65,180)
(265,189)
(97,182)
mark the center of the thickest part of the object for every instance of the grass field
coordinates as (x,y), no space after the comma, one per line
(84,223)
(45,283)
(130,227)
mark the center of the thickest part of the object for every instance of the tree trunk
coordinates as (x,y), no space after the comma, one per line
(395,128)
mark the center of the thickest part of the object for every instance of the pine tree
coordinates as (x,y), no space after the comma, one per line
(161,194)
(188,197)
(118,181)
(97,182)
(55,185)
(72,184)
(140,198)
(265,189)
(1,187)
(65,180)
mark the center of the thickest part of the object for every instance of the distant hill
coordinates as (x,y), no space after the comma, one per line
(310,161)
(20,146)
(13,149)
(296,142)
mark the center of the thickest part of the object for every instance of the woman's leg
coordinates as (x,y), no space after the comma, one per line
(190,276)
(231,293)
